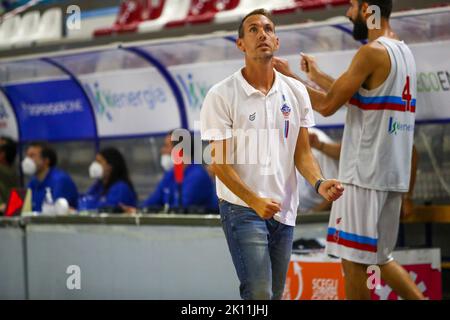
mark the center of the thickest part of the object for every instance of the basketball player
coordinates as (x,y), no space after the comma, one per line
(380,89)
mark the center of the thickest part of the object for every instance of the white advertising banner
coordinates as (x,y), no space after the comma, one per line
(195,80)
(433,79)
(8,123)
(433,74)
(132,102)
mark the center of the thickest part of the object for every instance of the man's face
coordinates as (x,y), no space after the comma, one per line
(355,14)
(259,41)
(35,153)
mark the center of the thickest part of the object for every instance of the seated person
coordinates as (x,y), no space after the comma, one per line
(40,163)
(198,192)
(8,175)
(112,187)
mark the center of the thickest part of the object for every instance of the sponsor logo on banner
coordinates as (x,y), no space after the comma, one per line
(195,91)
(427,279)
(107,100)
(396,126)
(314,281)
(53,108)
(436,81)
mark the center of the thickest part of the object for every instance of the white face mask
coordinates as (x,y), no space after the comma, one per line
(166,162)
(28,166)
(96,170)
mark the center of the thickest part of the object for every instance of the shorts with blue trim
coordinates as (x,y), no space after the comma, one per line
(363,225)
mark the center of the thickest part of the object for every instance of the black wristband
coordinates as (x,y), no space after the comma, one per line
(317,185)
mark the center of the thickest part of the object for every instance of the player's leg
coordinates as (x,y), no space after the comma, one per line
(391,272)
(280,248)
(247,237)
(352,236)
(399,280)
(355,280)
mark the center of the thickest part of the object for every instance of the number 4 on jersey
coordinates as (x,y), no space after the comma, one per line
(406,95)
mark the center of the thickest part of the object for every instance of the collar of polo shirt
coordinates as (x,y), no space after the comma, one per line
(249,90)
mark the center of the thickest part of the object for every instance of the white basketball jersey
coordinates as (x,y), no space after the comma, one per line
(379,129)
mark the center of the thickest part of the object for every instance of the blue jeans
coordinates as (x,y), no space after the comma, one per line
(260,249)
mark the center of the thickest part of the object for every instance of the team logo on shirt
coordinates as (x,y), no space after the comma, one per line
(286,110)
(252,117)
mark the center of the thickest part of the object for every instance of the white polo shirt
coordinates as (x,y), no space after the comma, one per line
(263,131)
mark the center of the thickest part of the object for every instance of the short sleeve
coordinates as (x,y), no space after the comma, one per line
(215,118)
(306,110)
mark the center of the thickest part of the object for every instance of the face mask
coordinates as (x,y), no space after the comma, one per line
(95,170)
(28,166)
(360,30)
(166,162)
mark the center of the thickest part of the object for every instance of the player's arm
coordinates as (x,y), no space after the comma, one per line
(309,168)
(332,150)
(220,155)
(323,206)
(361,67)
(309,66)
(407,201)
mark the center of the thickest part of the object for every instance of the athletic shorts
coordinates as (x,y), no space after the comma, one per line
(363,225)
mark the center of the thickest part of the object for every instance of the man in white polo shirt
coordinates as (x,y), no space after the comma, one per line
(256,121)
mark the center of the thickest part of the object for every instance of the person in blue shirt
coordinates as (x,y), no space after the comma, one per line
(40,163)
(197,188)
(113,186)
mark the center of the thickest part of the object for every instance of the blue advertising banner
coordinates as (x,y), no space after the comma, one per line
(54,110)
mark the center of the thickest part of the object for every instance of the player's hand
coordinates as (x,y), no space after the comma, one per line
(309,66)
(331,189)
(266,208)
(407,208)
(282,66)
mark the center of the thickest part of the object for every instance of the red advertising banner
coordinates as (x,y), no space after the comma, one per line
(318,277)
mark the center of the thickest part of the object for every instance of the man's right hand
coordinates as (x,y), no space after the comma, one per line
(309,66)
(266,208)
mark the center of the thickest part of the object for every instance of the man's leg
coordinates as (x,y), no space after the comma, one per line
(247,238)
(394,274)
(399,280)
(280,247)
(355,280)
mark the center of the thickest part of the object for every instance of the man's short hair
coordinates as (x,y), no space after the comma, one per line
(384,5)
(9,147)
(260,11)
(47,152)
